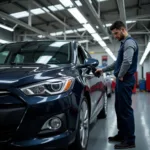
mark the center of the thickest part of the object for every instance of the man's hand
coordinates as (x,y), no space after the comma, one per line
(99,71)
(121,79)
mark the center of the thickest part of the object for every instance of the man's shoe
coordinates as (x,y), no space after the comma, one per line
(116,138)
(124,145)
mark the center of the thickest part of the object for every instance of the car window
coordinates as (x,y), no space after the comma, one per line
(36,52)
(81,56)
(3,56)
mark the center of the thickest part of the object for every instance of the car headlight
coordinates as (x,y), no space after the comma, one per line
(49,87)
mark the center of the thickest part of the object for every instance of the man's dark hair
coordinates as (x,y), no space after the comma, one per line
(117,25)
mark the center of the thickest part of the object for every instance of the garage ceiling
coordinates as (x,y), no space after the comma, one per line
(52,19)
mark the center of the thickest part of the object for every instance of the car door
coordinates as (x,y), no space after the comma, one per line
(94,83)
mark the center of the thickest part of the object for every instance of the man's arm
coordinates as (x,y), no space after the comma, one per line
(109,68)
(129,49)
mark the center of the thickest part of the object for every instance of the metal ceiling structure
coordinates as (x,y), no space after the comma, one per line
(53,19)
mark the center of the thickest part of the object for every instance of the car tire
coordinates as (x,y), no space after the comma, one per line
(83,128)
(103,113)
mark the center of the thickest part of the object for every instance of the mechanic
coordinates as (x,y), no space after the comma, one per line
(124,68)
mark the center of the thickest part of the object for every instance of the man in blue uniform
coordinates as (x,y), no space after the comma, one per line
(124,68)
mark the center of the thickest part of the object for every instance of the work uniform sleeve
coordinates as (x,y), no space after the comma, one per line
(129,49)
(109,68)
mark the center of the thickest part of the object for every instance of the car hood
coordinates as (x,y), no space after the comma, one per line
(21,75)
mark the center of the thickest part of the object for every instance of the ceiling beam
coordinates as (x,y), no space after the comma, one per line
(22,7)
(122,11)
(139,32)
(21,23)
(94,14)
(50,14)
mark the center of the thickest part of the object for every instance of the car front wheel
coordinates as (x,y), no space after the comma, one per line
(82,135)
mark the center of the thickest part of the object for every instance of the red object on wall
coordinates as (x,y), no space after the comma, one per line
(135,85)
(148,81)
(136,78)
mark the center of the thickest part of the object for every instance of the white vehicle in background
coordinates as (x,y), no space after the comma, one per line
(110,80)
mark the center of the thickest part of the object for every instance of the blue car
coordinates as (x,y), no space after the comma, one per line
(49,95)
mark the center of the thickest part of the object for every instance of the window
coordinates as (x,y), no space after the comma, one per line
(44,52)
(3,56)
(81,56)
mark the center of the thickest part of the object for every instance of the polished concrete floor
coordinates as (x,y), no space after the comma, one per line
(107,127)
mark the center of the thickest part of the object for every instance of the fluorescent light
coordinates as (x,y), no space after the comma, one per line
(41,36)
(59,33)
(147,50)
(58,44)
(6,28)
(78,3)
(110,53)
(97,27)
(130,21)
(83,41)
(52,8)
(89,28)
(66,3)
(45,9)
(96,37)
(105,38)
(81,29)
(20,14)
(59,7)
(37,11)
(69,31)
(77,15)
(102,43)
(3,41)
(108,25)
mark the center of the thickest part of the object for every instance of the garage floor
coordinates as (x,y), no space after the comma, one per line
(107,127)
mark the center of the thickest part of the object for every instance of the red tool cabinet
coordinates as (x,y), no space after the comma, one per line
(148,81)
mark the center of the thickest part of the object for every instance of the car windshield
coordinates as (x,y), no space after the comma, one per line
(43,52)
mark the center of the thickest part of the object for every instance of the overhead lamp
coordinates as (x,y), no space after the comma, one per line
(77,15)
(59,7)
(105,38)
(96,37)
(130,21)
(66,3)
(4,41)
(78,3)
(102,43)
(37,11)
(110,53)
(21,14)
(83,41)
(146,52)
(89,28)
(6,28)
(41,36)
(52,8)
(81,29)
(69,31)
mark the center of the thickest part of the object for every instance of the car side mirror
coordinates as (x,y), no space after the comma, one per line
(89,62)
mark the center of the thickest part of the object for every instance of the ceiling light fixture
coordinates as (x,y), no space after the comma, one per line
(89,28)
(6,28)
(96,37)
(77,15)
(21,14)
(146,52)
(110,53)
(66,3)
